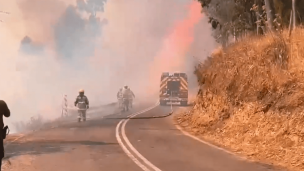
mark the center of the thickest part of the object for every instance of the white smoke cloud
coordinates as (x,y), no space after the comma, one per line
(47,54)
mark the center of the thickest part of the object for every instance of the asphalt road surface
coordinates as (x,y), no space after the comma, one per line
(115,143)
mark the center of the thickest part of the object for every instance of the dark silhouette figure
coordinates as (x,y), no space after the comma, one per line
(4,111)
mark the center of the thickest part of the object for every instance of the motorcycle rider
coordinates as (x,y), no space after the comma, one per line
(119,97)
(131,96)
(82,103)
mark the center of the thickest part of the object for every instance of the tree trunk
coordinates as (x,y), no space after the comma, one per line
(225,39)
(294,18)
(234,36)
(270,14)
(258,16)
(290,22)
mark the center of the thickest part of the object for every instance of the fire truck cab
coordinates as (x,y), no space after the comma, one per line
(173,88)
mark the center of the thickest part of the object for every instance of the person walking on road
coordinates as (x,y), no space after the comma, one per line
(131,96)
(4,111)
(83,104)
(126,97)
(119,98)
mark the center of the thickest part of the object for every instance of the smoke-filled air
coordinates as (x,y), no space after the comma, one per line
(52,48)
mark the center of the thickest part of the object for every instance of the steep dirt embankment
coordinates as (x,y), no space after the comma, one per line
(251,99)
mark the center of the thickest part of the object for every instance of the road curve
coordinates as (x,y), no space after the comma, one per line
(116,143)
(166,148)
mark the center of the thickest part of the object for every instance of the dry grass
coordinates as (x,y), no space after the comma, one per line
(251,99)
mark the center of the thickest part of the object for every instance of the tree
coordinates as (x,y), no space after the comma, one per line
(236,18)
(260,24)
(294,14)
(230,18)
(269,7)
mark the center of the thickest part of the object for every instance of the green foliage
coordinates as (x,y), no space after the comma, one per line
(239,17)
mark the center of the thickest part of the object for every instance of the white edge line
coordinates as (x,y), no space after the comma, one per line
(126,150)
(207,143)
(132,147)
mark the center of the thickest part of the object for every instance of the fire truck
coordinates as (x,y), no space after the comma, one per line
(173,88)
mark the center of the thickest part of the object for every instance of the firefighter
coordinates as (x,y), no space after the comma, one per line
(119,97)
(126,96)
(4,112)
(131,96)
(82,103)
(125,91)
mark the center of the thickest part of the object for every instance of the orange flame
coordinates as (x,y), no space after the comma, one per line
(177,44)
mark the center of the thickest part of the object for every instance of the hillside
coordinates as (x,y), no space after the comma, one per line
(251,99)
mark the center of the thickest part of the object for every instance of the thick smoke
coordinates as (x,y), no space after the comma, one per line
(98,46)
(74,35)
(29,47)
(91,6)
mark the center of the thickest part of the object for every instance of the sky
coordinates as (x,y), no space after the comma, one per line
(55,47)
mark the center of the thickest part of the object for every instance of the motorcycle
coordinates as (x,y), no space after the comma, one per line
(125,104)
(82,110)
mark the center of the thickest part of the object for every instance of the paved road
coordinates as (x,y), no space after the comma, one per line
(115,144)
